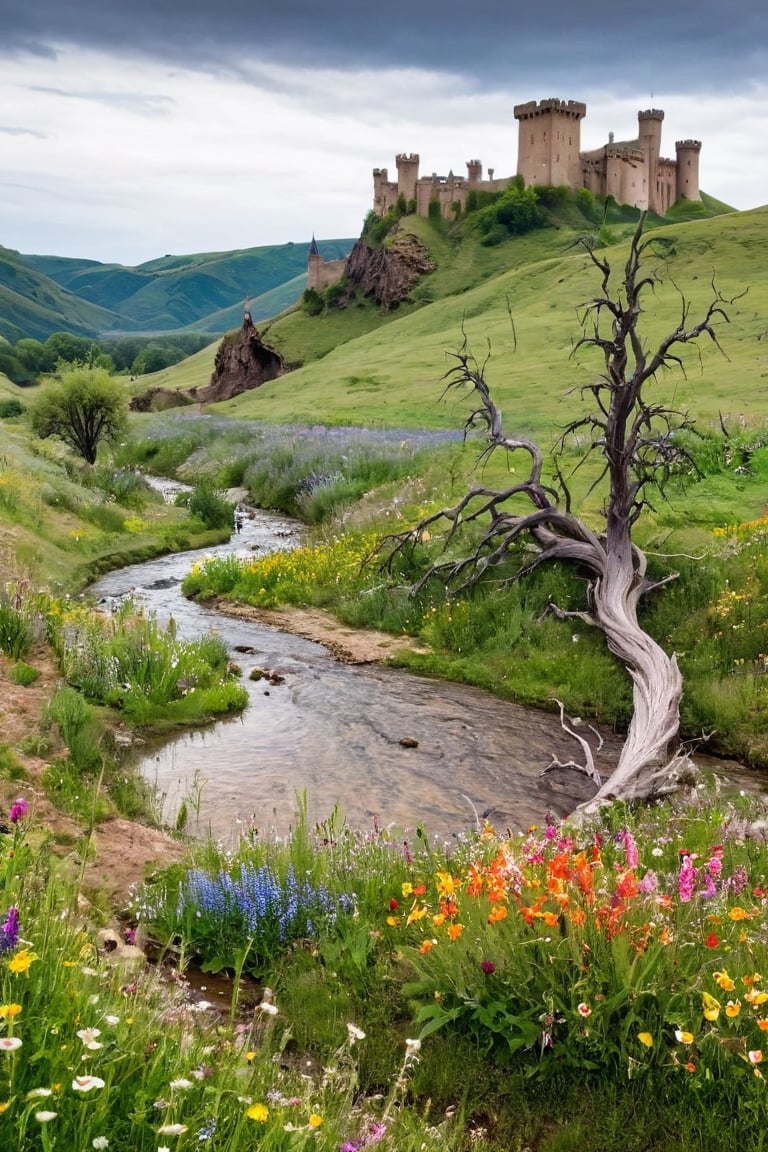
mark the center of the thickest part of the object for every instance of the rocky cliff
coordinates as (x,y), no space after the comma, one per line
(388,274)
(242,362)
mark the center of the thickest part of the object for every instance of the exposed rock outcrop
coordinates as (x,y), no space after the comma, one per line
(388,274)
(158,400)
(242,362)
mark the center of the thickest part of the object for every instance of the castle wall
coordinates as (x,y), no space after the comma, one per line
(321,273)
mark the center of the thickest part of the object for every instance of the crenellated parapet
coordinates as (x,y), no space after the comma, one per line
(688,146)
(651,114)
(573,109)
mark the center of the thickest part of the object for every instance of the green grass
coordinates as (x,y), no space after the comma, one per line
(402,357)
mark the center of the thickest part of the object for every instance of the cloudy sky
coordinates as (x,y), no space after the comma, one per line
(134,128)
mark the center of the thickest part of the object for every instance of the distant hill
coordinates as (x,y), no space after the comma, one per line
(32,304)
(194,291)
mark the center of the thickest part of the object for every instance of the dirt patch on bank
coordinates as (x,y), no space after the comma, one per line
(349,645)
(118,853)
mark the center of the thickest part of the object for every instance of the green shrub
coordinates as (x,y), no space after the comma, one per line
(23,674)
(208,504)
(11,408)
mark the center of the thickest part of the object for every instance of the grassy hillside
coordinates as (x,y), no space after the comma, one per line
(374,369)
(33,304)
(190,291)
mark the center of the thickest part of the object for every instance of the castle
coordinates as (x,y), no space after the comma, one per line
(549,153)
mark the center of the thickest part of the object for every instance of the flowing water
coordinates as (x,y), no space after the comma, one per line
(334,730)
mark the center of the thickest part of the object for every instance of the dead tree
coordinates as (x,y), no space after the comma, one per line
(635,440)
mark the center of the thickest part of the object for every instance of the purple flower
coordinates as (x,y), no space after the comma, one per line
(488,967)
(9,931)
(18,811)
(739,880)
(709,889)
(649,883)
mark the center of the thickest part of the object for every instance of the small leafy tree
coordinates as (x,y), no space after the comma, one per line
(84,407)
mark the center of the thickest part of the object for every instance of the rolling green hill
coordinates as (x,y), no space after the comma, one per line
(363,368)
(33,304)
(192,291)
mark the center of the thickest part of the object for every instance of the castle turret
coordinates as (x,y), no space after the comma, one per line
(549,141)
(474,172)
(687,152)
(649,133)
(407,175)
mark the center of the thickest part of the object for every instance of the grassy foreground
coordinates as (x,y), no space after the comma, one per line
(594,987)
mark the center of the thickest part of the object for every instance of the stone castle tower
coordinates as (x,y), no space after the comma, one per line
(549,153)
(321,273)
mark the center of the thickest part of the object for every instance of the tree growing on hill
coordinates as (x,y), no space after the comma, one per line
(531,522)
(82,408)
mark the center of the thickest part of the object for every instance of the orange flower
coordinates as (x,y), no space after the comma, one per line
(551,919)
(497,913)
(578,917)
(627,886)
(426,946)
(738,913)
(763,1025)
(455,930)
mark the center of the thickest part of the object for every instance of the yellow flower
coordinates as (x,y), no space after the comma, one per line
(684,1037)
(250,1056)
(416,913)
(732,1008)
(645,1038)
(22,961)
(315,1121)
(10,1011)
(723,980)
(5,1106)
(738,913)
(711,1007)
(258,1112)
(446,884)
(756,998)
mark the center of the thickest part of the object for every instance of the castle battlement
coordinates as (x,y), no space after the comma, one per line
(688,145)
(532,108)
(411,158)
(651,114)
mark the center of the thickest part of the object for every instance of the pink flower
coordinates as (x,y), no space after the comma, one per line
(583,1009)
(18,810)
(630,850)
(649,883)
(686,879)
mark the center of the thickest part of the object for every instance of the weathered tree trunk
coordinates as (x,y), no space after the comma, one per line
(656,693)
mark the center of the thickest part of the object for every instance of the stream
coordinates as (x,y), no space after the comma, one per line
(334,730)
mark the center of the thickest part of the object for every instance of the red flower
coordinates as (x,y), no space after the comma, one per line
(712,940)
(393,904)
